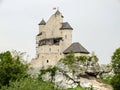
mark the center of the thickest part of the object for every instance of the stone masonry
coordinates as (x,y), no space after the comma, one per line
(54,41)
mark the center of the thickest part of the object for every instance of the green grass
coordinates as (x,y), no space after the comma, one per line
(33,84)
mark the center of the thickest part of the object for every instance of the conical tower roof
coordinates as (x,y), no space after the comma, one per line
(57,12)
(76,48)
(66,25)
(42,22)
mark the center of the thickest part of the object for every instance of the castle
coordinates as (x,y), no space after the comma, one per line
(54,41)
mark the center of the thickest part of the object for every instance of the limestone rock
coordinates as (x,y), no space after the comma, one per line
(79,73)
(105,68)
(47,77)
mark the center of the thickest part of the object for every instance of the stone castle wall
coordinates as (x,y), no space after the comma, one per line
(50,54)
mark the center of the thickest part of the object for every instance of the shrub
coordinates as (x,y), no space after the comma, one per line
(29,84)
(51,70)
(11,68)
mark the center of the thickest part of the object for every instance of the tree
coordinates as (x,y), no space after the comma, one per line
(69,59)
(11,68)
(116,67)
(116,61)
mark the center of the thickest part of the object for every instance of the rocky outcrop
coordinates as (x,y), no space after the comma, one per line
(83,74)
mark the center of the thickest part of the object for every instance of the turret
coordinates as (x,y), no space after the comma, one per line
(66,33)
(41,25)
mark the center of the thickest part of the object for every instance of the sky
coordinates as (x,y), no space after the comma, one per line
(96,24)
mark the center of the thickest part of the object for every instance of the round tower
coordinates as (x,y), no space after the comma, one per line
(41,25)
(66,33)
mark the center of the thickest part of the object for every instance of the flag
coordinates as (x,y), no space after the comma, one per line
(54,8)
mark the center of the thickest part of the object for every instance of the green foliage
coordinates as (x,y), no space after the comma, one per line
(107,79)
(34,84)
(93,57)
(82,58)
(69,59)
(115,82)
(90,88)
(11,68)
(29,84)
(116,67)
(116,61)
(51,70)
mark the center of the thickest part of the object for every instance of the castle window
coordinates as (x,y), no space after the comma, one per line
(47,61)
(51,42)
(42,43)
(49,49)
(56,41)
(65,36)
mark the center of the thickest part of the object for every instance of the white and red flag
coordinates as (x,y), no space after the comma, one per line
(54,8)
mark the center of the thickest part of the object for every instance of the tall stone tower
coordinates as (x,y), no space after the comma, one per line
(53,38)
(54,41)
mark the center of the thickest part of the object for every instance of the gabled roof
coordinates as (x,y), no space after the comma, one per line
(66,25)
(42,22)
(76,48)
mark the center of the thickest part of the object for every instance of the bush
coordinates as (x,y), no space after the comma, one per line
(115,82)
(51,70)
(29,84)
(11,68)
(116,67)
(69,59)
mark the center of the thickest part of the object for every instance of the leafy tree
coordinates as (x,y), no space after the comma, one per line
(115,82)
(116,61)
(93,57)
(69,59)
(116,67)
(11,68)
(82,58)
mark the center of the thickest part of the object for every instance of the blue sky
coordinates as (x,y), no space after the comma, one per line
(96,24)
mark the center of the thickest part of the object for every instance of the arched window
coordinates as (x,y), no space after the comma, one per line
(47,61)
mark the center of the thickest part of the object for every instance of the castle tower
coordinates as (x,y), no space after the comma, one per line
(54,41)
(51,39)
(41,25)
(66,33)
